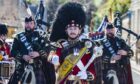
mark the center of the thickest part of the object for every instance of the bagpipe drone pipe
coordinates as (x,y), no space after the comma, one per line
(41,25)
(118,25)
(41,41)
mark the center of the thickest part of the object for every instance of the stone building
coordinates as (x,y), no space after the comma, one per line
(12,13)
(135,25)
(135,13)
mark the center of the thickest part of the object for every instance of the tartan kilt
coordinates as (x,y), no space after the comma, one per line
(79,82)
(40,77)
(15,77)
(98,70)
(122,75)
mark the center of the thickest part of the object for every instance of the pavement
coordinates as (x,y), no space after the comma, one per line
(135,67)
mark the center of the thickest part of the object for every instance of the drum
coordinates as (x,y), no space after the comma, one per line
(6,69)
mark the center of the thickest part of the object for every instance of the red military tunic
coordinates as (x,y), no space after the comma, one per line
(5,48)
(84,60)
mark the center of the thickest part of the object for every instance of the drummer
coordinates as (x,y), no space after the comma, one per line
(4,50)
(4,47)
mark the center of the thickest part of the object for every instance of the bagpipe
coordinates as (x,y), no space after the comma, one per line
(112,74)
(41,16)
(40,41)
(100,37)
(118,25)
(39,44)
(41,25)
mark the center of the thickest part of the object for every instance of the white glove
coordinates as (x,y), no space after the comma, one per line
(98,50)
(82,74)
(55,60)
(5,57)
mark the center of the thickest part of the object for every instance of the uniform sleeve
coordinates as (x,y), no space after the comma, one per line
(125,60)
(58,53)
(7,49)
(15,48)
(126,48)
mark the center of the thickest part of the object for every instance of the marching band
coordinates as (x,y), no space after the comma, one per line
(66,56)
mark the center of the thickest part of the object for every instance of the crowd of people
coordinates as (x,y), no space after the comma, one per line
(67,56)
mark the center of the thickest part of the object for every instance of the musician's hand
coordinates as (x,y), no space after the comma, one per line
(34,54)
(5,57)
(90,76)
(82,74)
(11,58)
(55,60)
(122,52)
(27,58)
(43,53)
(116,57)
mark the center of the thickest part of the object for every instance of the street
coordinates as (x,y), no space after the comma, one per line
(136,76)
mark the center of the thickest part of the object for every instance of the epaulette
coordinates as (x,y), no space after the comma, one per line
(62,43)
(58,44)
(55,44)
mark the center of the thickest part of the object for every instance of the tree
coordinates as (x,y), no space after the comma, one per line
(112,6)
(32,1)
(109,7)
(52,6)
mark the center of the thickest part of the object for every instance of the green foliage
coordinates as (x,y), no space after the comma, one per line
(62,1)
(32,1)
(97,21)
(52,7)
(104,9)
(115,5)
(96,2)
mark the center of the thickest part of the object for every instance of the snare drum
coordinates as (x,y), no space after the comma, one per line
(6,69)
